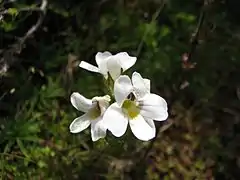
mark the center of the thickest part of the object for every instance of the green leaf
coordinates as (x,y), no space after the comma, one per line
(22,148)
(186,17)
(13,11)
(41,164)
(7,26)
(31,138)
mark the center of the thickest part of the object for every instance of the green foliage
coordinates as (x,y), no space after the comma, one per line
(200,140)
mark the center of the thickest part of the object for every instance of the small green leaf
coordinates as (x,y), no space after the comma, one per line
(13,11)
(22,148)
(41,164)
(7,26)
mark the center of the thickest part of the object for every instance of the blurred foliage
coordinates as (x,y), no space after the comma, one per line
(200,140)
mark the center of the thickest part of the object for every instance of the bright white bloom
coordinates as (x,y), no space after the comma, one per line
(112,64)
(94,110)
(135,105)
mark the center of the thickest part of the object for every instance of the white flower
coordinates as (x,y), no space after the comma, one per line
(135,105)
(94,110)
(108,63)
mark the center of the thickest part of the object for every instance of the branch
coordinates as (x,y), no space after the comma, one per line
(195,38)
(9,55)
(31,9)
(43,9)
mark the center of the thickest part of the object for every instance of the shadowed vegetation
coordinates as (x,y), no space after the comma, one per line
(190,51)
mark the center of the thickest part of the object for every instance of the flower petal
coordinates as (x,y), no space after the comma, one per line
(141,129)
(80,102)
(101,60)
(103,102)
(115,121)
(79,124)
(151,124)
(125,60)
(139,85)
(98,129)
(147,84)
(122,88)
(88,67)
(113,67)
(155,107)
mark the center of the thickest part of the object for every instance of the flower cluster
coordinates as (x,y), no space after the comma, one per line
(134,103)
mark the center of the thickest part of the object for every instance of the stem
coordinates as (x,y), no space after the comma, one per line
(195,39)
(154,17)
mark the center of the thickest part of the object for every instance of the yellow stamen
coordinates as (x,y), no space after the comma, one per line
(130,108)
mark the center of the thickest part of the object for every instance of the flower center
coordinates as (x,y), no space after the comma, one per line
(94,112)
(130,108)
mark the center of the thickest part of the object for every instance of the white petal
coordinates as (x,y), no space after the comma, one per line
(101,60)
(115,121)
(147,84)
(141,129)
(122,88)
(113,67)
(103,102)
(79,124)
(151,124)
(139,85)
(98,129)
(88,67)
(125,60)
(154,107)
(80,102)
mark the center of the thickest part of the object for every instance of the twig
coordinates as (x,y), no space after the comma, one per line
(43,9)
(154,17)
(9,54)
(195,38)
(29,9)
